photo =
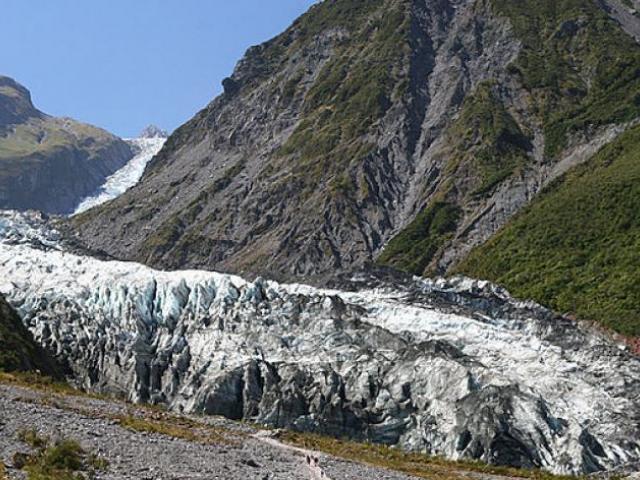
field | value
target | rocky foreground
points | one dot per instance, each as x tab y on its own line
232	452
453	368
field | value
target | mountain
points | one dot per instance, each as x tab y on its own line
151	131
453	367
402	132
49	163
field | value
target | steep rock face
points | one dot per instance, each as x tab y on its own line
455	368
430	122
152	131
18	349
49	163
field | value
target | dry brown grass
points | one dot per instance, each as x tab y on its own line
178	427
140	418
422	466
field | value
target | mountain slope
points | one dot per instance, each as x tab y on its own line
49	163
313	155
18	350
576	246
422	125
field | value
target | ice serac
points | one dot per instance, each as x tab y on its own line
455	368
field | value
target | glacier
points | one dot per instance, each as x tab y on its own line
127	176
453	367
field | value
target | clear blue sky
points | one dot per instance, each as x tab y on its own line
122	64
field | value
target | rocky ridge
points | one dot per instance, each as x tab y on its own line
449	367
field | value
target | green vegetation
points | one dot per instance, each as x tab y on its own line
581	71
415	246
64	459
177	427
576	247
334	14
44	136
40	382
489	143
578	64
487	147
18	350
143	418
422	466
353	91
31	438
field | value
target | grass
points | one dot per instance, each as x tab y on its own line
31	438
177	427
146	417
421	466
41	383
576	248
45	136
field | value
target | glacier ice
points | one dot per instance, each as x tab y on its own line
452	367
126	177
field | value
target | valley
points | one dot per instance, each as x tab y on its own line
402	242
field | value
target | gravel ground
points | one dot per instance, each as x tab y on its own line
248	455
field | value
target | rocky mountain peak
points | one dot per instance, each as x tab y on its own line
50	163
15	102
152	131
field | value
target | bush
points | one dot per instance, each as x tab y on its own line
576	247
63	460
